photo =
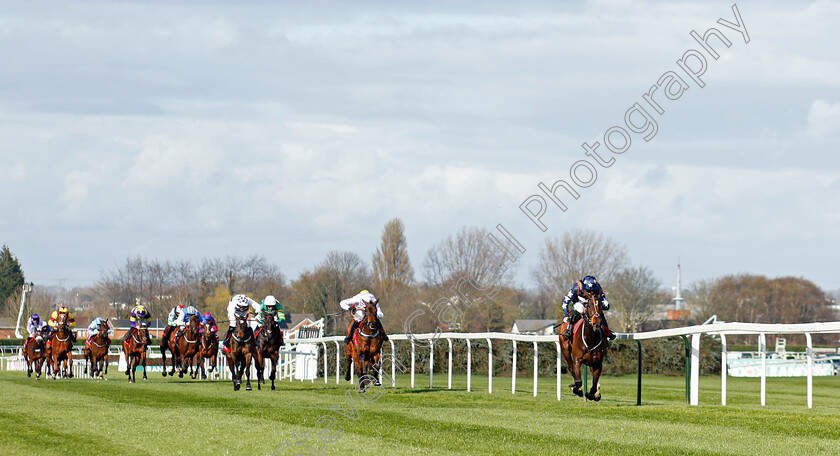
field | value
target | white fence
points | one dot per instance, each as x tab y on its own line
295	358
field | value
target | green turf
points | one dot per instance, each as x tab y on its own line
173	416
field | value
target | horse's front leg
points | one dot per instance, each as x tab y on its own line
163	356
575	370
273	375
258	363
247	369
594	393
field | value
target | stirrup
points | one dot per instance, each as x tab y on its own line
347	339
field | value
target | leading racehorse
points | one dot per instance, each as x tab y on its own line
186	344
209	350
35	353
269	339
134	348
61	349
241	350
96	352
364	349
587	347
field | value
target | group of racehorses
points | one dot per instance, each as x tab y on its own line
193	344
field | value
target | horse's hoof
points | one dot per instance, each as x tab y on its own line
248	388
259	387
596	397
29	374
164	373
203	377
589	397
272	387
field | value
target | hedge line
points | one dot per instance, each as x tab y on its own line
660	356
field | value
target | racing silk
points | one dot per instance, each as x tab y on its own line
357	305
54	320
93	328
33	326
185	316
209	320
139	315
574	297
174	314
233	311
278	317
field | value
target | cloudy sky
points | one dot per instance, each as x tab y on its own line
189	129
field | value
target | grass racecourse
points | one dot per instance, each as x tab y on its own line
173	416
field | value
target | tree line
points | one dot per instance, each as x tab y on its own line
633	290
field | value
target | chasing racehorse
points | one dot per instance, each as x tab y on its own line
96	352
209	350
241	351
186	347
587	347
61	349
364	349
134	348
35	353
269	339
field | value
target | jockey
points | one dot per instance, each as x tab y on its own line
33	325
356	305
174	315
93	329
184	318
270	304
139	315
207	319
577	297
71	322
238	307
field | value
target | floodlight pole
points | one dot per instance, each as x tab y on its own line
27	287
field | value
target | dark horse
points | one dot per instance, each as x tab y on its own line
61	349
186	348
241	350
364	349
35	353
209	350
165	344
134	348
96	352
269	340
588	347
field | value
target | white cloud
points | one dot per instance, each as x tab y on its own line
823	118
163	160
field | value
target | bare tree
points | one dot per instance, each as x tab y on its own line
633	295
391	266
577	254
468	254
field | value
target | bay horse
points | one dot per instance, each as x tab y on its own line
61	349
588	347
209	349
364	349
36	355
187	347
241	352
165	345
269	340
134	348
96	352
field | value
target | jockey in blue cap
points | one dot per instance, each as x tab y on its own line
577	296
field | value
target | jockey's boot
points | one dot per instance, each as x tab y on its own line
148	337
349	336
573	318
225	347
73	336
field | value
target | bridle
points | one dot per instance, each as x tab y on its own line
240	328
192	329
370	323
593	320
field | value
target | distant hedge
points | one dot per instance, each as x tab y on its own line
660	356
